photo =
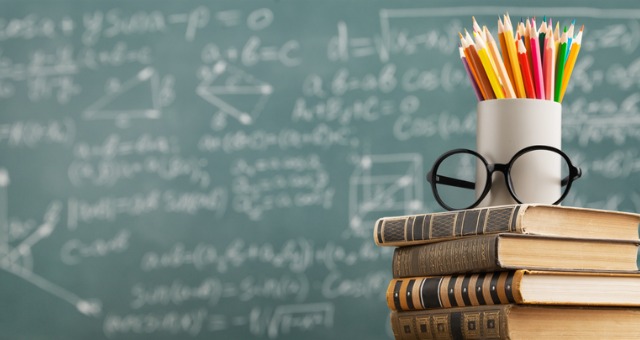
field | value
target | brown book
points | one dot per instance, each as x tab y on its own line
514	251
535	219
524	287
517	322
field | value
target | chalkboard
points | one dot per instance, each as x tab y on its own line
212	170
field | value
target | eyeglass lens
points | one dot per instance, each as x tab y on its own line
535	173
459	172
462	167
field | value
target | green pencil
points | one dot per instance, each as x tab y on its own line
560	61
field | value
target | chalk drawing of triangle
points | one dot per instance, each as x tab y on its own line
137	97
235	92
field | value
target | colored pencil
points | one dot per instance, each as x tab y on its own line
569	38
549	65
531	61
505	55
486	62
524	66
474	72
542	36
538	79
571	61
513	57
562	50
556	35
498	62
476	27
527	41
474	85
483	80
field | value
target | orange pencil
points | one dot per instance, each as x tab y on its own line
505	54
482	74
472	66
524	66
501	70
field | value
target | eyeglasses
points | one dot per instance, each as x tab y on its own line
454	175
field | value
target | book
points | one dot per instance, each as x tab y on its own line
534	219
496	252
514	287
517	322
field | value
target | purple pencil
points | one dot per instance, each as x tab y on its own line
476	89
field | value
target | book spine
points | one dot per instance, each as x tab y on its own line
457	323
425	228
466	255
453	291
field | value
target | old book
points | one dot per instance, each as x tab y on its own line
514	251
517	322
519	287
547	220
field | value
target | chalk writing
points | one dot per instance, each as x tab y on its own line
82	212
214	170
33	133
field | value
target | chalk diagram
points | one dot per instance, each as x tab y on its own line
234	92
384	185
18	260
140	97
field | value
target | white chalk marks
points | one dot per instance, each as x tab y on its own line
139	97
18	259
233	91
384	184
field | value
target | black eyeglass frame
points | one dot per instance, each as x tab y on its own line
505	169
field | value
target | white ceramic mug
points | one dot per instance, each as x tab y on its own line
506	126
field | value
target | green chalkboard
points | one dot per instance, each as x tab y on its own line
212	169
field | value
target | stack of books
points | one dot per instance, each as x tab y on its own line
522	271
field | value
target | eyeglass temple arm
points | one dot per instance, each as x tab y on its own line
578	174
454	182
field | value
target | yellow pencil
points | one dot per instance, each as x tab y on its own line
486	63
499	64
513	57
571	61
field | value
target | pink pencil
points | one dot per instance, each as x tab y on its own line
538	80
549	65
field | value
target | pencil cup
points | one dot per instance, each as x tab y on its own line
506	126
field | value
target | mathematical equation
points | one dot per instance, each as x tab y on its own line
230	161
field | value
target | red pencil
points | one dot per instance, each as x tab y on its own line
526	71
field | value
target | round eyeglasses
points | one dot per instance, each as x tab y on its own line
455	175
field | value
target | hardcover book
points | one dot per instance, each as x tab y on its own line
525	287
514	251
535	219
517	322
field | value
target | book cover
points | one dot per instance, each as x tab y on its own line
517	322
514	287
496	252
535	219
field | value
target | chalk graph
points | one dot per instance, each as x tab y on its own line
384	185
18	259
139	97
234	92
